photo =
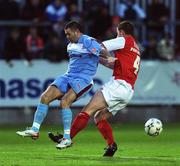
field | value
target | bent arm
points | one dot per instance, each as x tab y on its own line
110	45
106	58
114	44
104	62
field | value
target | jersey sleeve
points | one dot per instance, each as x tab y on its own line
92	46
114	44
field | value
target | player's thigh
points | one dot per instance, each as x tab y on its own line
62	83
96	103
51	93
80	86
68	98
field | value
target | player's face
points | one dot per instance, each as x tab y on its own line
120	33
71	35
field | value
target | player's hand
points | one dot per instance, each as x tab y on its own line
111	60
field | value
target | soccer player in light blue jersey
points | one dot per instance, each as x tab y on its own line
84	52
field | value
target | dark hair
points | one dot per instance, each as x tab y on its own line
73	25
127	27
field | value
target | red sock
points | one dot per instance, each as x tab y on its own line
79	123
106	131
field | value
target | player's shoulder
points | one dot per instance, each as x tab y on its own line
129	38
69	44
87	40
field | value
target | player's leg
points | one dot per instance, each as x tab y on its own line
78	88
103	126
66	115
50	94
117	94
105	129
55	91
65	104
81	120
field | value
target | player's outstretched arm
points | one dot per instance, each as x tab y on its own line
108	62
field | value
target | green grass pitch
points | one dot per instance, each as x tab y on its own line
135	148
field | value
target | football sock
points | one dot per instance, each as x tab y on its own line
79	123
67	119
106	131
39	116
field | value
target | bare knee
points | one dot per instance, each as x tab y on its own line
45	99
65	103
102	115
98	117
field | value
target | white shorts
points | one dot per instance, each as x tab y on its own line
117	94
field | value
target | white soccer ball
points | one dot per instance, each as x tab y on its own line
153	127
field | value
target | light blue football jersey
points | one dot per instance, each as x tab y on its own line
83	58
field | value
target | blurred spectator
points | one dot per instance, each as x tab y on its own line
166	48
177	57
92	5
45	3
3	35
34	44
56	11
157	11
33	11
73	13
90	10
150	48
102	21
14	47
69	2
9	10
157	15
130	10
55	50
112	31
58	28
21	3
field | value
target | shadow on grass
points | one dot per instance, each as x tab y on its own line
110	160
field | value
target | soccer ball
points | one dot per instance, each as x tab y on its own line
153	127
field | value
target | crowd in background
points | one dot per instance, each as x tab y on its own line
48	42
